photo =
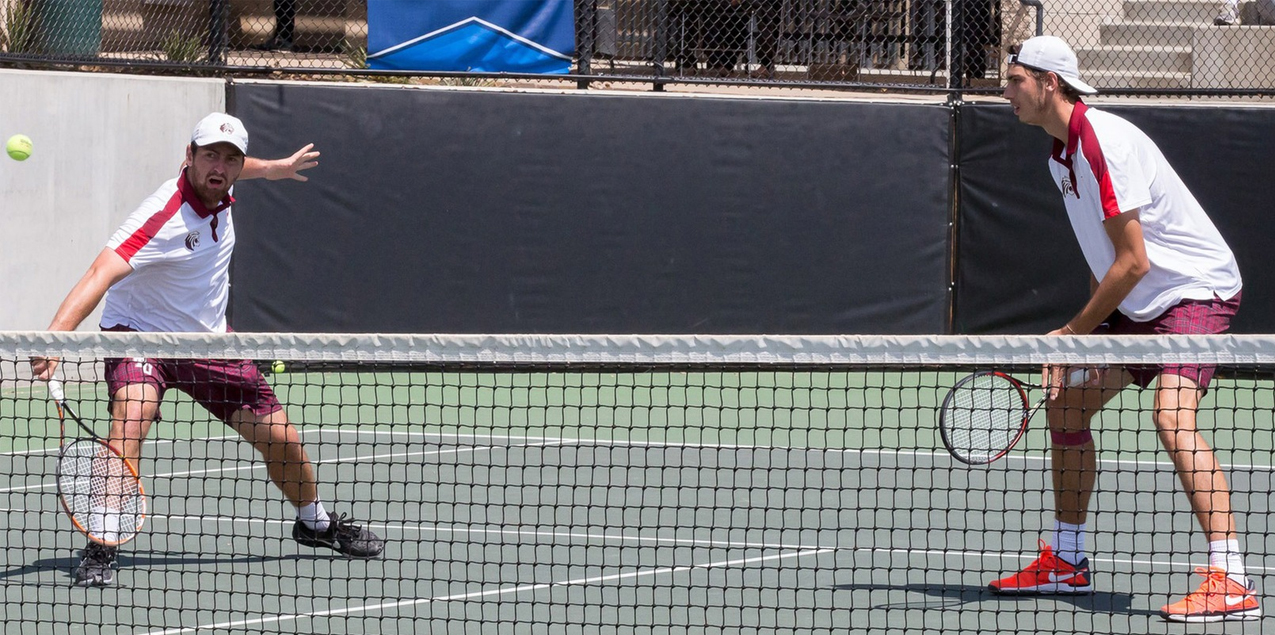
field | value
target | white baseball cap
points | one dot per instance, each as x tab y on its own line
1049	53
221	128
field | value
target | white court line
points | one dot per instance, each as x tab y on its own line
149	443
1171	564
259	465
554	534
1248	467
520	533
530	441
621	538
1245	467
300	430
500	591
527	439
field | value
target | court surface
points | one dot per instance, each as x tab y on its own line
568	518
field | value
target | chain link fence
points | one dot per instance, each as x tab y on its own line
1124	46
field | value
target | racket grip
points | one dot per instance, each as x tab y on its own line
1080	376
55	390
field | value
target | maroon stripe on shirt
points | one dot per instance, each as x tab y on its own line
147	231
1098	163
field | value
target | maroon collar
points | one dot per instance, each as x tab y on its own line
192	199
1073	135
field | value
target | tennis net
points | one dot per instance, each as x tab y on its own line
624	484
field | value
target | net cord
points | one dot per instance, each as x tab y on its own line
653	349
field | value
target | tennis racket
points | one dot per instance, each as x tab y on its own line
100	489
985	414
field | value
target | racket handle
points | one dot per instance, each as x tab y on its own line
1080	376
55	390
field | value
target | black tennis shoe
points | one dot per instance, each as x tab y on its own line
97	567
342	536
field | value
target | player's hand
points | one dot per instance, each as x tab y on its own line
291	167
43	367
1052	380
1053	375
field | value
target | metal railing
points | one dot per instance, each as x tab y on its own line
1124	46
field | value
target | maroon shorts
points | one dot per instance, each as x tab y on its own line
1189	317
224	387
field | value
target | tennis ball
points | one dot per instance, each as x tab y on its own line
19	147
278	367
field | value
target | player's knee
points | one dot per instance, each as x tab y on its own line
132	419
278	437
1169	420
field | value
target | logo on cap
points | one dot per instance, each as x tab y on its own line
227	128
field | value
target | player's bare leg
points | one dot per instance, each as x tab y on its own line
279	444
288	465
1226	593
133	411
1177	400
1062	567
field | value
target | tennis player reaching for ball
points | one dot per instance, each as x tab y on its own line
167	269
1159	266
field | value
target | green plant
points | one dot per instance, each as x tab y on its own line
482	82
182	49
19	31
355	56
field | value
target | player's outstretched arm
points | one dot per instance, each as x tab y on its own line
285	168
107	269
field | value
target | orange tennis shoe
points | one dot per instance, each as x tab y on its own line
1218	598
1048	574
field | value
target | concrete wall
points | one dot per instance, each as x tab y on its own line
102	144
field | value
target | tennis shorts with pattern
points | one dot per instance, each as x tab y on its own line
1189	317
224	387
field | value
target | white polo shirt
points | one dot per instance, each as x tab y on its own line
1108	167
180	253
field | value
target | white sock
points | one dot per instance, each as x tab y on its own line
1069	541
1225	555
104	523
314	516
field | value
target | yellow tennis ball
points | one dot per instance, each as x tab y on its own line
19	147
278	367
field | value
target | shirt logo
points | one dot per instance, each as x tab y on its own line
192	240
1068	188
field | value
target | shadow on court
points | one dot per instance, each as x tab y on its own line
141	561
960	595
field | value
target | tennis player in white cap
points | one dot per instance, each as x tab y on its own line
167	269
1159	266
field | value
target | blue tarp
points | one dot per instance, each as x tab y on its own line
512	36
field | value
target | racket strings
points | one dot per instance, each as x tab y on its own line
101	491
984	417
